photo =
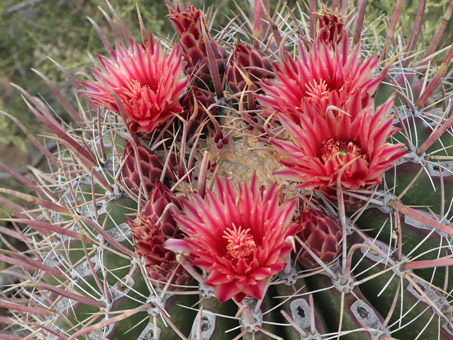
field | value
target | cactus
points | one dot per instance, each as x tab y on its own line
289	178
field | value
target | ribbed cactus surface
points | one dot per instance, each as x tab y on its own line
286	178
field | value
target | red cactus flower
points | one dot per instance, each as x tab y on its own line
321	233
146	80
150	165
189	25
328	76
237	237
152	227
319	149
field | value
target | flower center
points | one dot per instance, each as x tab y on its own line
135	92
316	90
332	147
240	243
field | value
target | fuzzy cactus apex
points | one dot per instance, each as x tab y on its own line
286	175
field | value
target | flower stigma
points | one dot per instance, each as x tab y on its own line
240	243
331	147
316	90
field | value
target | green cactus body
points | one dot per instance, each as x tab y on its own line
173	207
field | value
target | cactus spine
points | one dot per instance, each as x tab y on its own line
278	180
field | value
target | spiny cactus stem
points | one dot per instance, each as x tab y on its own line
298	25
394	266
25	180
373	245
212	64
36	200
47	228
72	112
340	323
168	283
26	309
130	274
142	189
420	171
399	236
392	306
407	101
408	277
257	32
274	26
359	22
346	273
99	179
202	177
93	196
239	336
437	78
42	113
182	179
122	316
194	142
311	11
415	31
103	37
316	258
344	6
311	303
190	269
440	262
421	218
120	23
265	331
69	295
159	139
168	320
260	302
127	253
342	215
440	31
49	155
96	278
386	337
435	135
101	140
294	324
182	155
392	27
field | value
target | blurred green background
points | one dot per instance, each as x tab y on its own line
32	30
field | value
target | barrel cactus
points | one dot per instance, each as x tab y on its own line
289	177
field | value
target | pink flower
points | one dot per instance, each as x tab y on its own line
146	81
327	76
238	237
319	149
